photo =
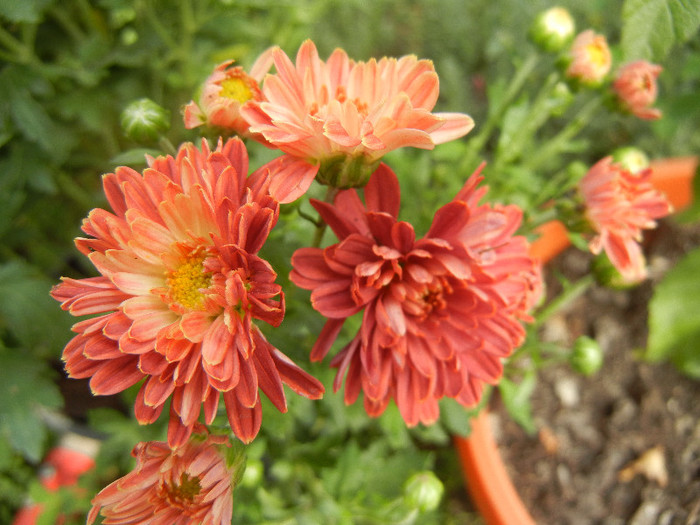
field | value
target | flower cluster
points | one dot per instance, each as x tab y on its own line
588	61
182	288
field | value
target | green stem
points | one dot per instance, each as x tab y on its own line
157	26
20	52
559	142
477	142
321	225
567	296
537	115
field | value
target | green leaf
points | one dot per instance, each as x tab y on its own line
24	11
674	326
516	398
25	390
652	27
28	312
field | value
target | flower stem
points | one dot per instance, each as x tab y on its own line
477	143
559	142
321	225
569	294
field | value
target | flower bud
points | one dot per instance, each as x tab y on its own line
561	99
144	121
423	491
589	59
635	89
587	356
630	158
552	29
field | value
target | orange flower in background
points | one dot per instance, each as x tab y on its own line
223	94
619	205
188	484
340	117
439	313
180	287
636	89
590	58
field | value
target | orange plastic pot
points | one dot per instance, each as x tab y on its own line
486	476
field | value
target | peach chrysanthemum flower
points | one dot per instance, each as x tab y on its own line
192	483
223	94
635	87
619	204
590	58
439	313
340	117
180	287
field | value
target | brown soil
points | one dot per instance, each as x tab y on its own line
622	446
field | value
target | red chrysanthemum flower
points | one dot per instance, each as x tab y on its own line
181	285
619	204
340	117
439	313
636	89
188	484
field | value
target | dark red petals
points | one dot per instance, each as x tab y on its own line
382	192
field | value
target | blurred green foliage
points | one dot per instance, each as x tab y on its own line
68	68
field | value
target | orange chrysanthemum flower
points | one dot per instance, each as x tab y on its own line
224	93
181	285
590	58
619	205
636	90
188	484
340	117
439	313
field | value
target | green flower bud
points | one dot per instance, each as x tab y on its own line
632	159
423	491
144	121
552	29
561	99
587	356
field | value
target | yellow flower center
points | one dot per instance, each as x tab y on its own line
187	280
597	55
236	88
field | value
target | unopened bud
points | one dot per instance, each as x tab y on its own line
423	491
587	357
553	29
144	121
630	158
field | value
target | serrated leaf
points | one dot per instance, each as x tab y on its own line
28	312
674	326
652	27
25	390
